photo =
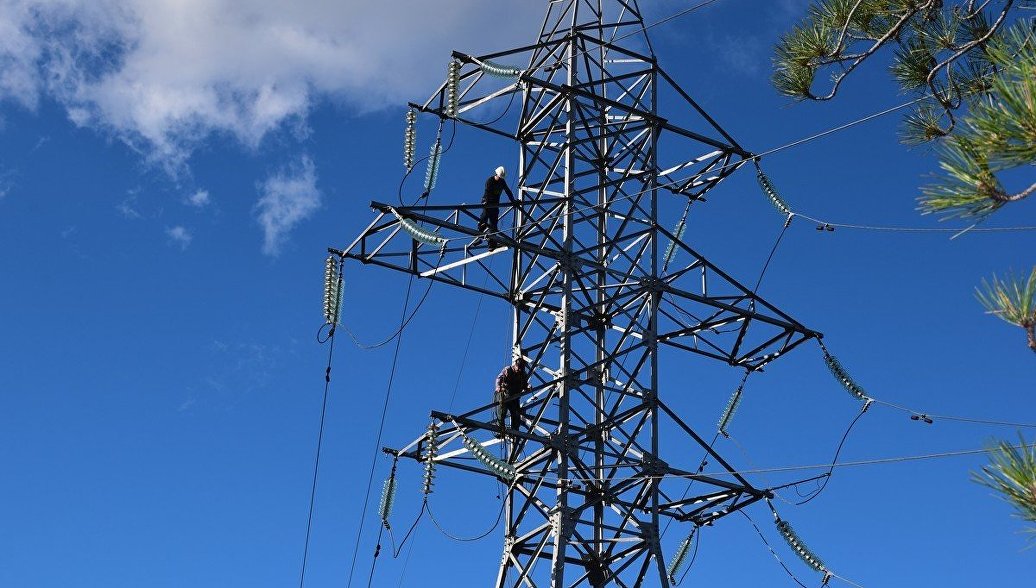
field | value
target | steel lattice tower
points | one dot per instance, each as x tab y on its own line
593	299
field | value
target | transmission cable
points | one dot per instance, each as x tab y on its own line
931	417
754	157
496	523
320	432
771	549
402	326
381	428
834	460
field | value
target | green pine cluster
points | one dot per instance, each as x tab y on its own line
1012	474
974	65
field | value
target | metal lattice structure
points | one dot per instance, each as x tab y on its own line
595	293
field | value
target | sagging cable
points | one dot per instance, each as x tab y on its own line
388	497
796	544
430	451
417	233
332	290
680	557
843	376
771	192
452	92
498	466
409	139
431	174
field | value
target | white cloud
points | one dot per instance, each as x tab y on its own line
127	207
199	199
163	75
286	199
179	235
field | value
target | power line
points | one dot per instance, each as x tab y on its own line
667	19
320	442
844	464
754	157
936	417
381	429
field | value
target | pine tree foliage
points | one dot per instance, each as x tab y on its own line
975	60
1012	474
1014	300
975	63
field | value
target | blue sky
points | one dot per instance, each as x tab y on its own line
171	174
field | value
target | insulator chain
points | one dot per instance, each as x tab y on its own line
417	233
410	139
771	192
678	235
800	548
332	290
498	70
732	406
452	91
430	451
431	175
388	496
498	466
680	557
843	376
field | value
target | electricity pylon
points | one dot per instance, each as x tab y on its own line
597	283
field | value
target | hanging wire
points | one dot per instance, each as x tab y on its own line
406	321
496	523
377	443
942	417
741	162
772	551
323	412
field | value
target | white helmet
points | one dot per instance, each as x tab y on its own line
500	171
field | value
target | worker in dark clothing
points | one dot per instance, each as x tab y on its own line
510	385
491	208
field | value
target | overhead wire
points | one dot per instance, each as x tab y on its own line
943	417
381	428
834	460
772	551
477	537
753	157
320	433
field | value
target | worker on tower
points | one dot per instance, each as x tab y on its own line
495	185
510	385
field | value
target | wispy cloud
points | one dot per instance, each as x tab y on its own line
286	199
164	75
180	236
199	199
128	207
